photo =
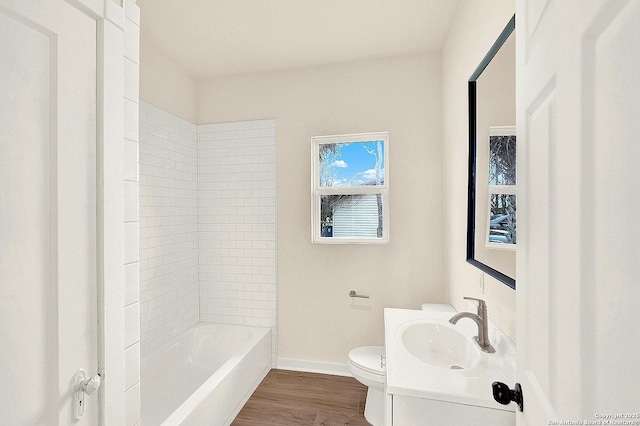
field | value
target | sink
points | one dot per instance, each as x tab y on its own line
441	346
437	369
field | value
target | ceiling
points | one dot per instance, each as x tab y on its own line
208	38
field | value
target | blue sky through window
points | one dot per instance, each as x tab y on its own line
353	164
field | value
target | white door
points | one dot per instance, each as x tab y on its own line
48	305
578	294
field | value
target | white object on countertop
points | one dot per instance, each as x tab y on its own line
438	307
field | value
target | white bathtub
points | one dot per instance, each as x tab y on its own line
203	376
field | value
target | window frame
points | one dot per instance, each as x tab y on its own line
317	191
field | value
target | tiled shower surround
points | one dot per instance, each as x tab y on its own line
237	223
168	227
207	225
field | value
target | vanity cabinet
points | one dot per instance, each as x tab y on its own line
410	411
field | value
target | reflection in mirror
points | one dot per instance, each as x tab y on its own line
501	232
491	221
502	156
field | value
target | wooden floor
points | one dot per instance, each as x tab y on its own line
295	398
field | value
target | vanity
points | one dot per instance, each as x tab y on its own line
437	373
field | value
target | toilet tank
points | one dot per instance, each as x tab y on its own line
438	307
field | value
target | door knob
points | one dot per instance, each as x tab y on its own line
84	385
504	395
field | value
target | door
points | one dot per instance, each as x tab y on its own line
48	272
578	103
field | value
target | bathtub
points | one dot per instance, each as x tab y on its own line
203	376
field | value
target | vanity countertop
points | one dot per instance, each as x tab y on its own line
409	376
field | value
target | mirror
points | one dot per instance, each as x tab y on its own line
491	202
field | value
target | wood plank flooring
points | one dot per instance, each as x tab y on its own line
295	398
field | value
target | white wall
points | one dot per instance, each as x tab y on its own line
475	28
168	226
164	84
131	221
317	321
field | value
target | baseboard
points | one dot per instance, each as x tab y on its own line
313	367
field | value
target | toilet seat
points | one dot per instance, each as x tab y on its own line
368	358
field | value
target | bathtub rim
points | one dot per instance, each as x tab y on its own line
186	407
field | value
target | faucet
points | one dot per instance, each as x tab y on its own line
481	320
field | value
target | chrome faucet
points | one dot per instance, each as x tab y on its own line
481	320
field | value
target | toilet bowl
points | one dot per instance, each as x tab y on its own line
366	364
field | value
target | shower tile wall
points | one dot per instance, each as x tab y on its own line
168	227
237	223
207	225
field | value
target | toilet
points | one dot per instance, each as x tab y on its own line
367	364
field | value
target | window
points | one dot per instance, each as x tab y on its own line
501	232
350	187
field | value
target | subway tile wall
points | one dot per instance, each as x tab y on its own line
168	227
237	224
207	225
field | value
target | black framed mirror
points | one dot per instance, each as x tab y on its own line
491	201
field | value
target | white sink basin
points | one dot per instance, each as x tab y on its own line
440	346
431	359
